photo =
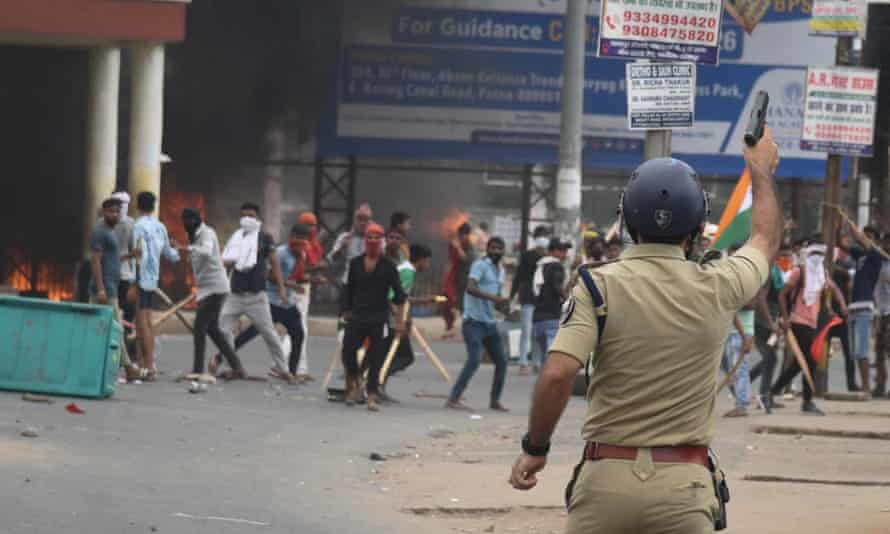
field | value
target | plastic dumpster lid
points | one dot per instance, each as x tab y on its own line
23	302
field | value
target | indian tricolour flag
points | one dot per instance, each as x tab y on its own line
735	223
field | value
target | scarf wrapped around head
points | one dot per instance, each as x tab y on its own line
309	218
375	249
814	266
191	220
125	202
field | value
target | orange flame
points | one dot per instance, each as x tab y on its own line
56	280
178	278
449	224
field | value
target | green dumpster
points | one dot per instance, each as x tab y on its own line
58	347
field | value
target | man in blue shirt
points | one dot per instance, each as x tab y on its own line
152	242
483	294
862	308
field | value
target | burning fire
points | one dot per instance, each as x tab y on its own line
56	280
449	224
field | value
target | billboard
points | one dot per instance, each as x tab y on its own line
480	80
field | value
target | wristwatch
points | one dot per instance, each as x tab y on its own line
534	450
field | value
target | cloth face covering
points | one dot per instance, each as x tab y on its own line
373	249
815	273
243	246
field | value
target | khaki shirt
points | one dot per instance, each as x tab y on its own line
654	373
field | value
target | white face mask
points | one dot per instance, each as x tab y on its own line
250	224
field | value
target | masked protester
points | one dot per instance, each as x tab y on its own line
292	261
251	253
483	294
213	287
315	262
365	307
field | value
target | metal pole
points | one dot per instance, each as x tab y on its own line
658	144
526	206
568	179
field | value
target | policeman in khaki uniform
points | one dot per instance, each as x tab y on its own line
652	327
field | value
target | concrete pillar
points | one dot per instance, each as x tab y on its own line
146	118
273	190
102	116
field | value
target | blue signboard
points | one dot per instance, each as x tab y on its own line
486	86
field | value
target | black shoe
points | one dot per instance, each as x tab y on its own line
878	393
854	388
810	408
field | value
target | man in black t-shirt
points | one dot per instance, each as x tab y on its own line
249	252
549	287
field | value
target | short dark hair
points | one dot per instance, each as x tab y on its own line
145	201
398	218
464	229
871	230
111	203
299	230
541	231
483	226
419	252
250	206
496	240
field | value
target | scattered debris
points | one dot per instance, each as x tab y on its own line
29	432
472	461
475	417
822	432
441	433
376	457
489	529
197	387
794	480
30	397
75	409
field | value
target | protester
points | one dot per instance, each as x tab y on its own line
250	252
486	279
842	270
152	242
303	294
213	287
804	290
351	244
106	259
400	223
768	328
882	338
123	231
460	256
365	307
701	247
522	287
292	261
613	249
594	248
481	237
549	288
862	308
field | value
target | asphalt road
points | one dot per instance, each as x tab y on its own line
241	458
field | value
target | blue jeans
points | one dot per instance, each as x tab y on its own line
545	331
742	381
861	323
477	335
526	313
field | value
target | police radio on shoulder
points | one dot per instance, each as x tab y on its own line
534	450
757	120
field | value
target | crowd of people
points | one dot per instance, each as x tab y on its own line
374	269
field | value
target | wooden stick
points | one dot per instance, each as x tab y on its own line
172	311
868	242
801	360
167	300
394	347
430	354
732	372
330	373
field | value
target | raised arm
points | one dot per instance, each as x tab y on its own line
766	220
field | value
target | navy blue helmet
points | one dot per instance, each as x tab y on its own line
664	199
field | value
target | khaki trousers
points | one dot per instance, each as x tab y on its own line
635	497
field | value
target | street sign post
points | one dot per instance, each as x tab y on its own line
660	95
839	110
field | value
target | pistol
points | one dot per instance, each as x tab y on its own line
757	120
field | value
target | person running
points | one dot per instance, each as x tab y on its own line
480	329
292	260
365	308
803	290
549	288
152	242
250	252
213	287
522	287
461	255
105	260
